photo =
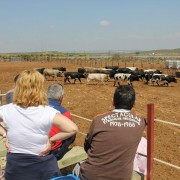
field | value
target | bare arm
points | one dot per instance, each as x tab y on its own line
2	131
1	174
68	127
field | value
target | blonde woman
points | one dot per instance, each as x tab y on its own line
28	121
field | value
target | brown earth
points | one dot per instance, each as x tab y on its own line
89	100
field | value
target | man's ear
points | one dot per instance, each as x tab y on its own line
134	103
60	99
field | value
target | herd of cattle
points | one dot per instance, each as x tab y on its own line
117	74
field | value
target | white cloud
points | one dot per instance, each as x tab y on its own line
104	23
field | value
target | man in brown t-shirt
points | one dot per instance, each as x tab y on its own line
113	139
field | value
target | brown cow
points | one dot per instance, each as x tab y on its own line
53	73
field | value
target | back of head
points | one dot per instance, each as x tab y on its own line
124	97
55	91
29	89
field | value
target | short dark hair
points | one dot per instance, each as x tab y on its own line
124	97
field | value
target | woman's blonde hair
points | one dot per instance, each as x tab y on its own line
29	89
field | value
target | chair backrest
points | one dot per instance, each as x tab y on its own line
68	177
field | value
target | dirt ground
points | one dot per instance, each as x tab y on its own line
89	100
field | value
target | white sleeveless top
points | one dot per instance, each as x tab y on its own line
27	128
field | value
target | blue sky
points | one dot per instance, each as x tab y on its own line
88	25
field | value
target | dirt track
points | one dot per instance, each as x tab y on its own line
89	100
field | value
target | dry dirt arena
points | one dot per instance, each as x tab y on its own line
89	100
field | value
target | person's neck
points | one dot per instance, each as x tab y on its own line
55	100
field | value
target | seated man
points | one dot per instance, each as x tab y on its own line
55	96
113	139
